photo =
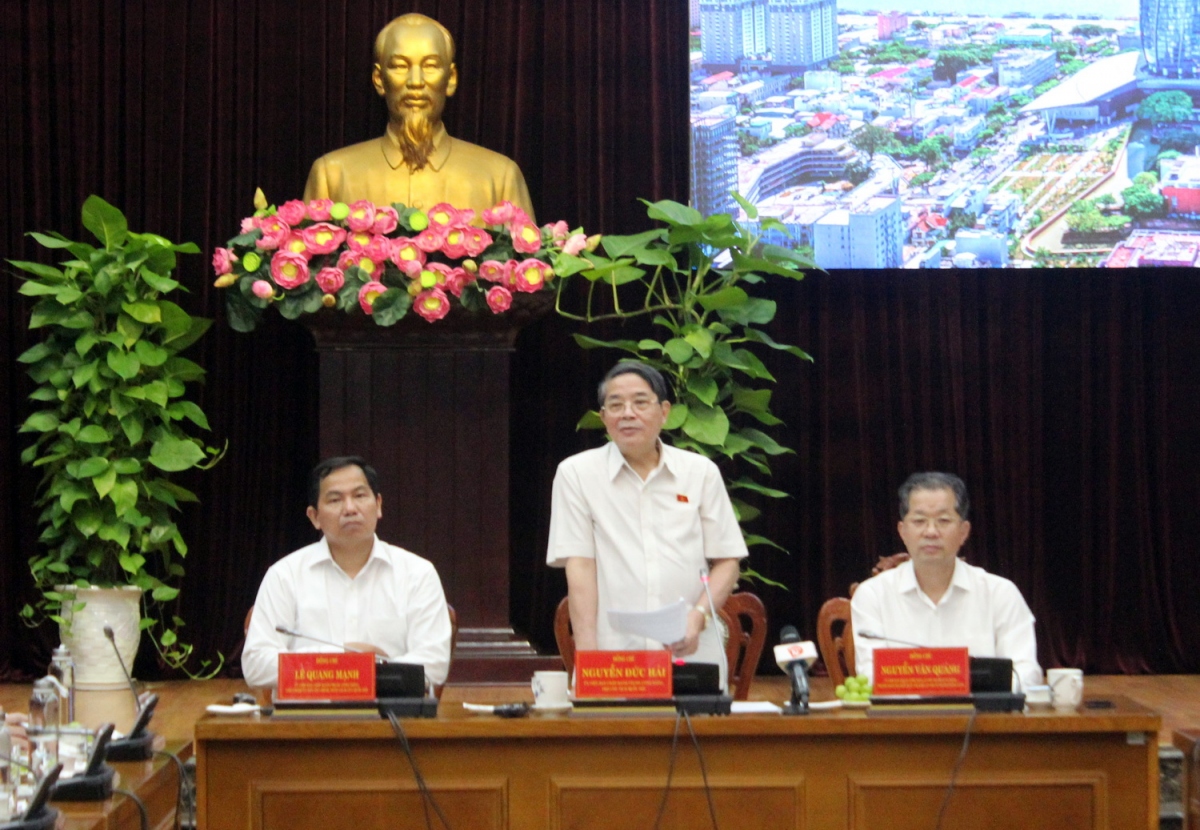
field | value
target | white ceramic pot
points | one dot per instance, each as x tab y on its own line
96	663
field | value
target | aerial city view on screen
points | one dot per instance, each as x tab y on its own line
917	134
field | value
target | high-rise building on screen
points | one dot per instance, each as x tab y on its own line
1171	37
714	161
803	33
782	34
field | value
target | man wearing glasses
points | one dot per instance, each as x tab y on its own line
637	521
936	599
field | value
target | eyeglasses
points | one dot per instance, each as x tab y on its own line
640	406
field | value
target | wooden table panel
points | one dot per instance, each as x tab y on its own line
1187	741
829	770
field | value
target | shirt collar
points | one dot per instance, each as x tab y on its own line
437	159
908	577
616	461
324	556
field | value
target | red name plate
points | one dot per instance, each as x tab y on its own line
921	671
326	676
637	675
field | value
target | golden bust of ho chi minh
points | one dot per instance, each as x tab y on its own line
417	163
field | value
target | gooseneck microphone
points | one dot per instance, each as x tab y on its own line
871	635
282	629
794	657
112	638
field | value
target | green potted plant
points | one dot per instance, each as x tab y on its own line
111	424
696	277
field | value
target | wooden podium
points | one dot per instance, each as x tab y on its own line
427	404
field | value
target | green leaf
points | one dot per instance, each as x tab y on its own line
391	307
745	512
619	275
592	343
38	289
175	454
133	429
679	350
130	330
704	388
729	297
163	284
47	272
590	420
144	311
677	416
752	400
754	310
766	340
189	410
156	391
93	466
752	365
707	424
88	519
164	593
83	374
44	421
618	246
118	533
751	210
70	495
35	353
748	484
93	434
757	265
105	222
701	339
754	539
168	638
765	442
125	364
131	562
104	482
124	496
127	466
150	354
650	345
673	213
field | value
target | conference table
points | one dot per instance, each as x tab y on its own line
1091	768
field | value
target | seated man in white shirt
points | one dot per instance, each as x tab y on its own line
637	521
349	587
936	599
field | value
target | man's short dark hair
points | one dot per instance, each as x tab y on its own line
330	465
936	481
648	373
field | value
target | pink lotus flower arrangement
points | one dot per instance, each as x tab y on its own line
384	260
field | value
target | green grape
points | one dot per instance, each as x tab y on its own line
840	691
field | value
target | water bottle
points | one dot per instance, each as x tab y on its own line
8	781
62	669
43	722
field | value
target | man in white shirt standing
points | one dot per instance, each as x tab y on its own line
936	599
637	521
349	587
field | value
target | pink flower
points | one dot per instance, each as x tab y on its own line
443	216
368	294
531	275
359	240
457	280
318	209
430	239
526	237
330	280
499	299
575	244
432	304
263	289
289	270
296	244
379	248
223	260
510	273
501	214
386	220
275	232
249	224
407	256
357	259
440	270
323	238
557	232
362	216
477	241
454	244
291	212
493	271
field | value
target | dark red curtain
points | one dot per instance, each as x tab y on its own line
1065	399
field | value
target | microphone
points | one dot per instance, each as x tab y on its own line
138	745
871	635
137	703
285	630
794	657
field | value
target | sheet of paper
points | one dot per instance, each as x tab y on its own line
666	625
754	707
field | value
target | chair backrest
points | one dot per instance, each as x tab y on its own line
746	618
836	638
564	637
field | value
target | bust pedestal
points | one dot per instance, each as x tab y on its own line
427	404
